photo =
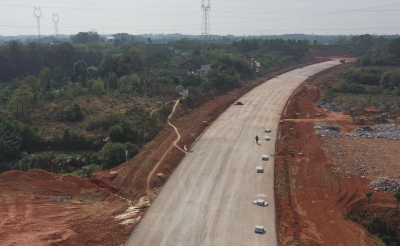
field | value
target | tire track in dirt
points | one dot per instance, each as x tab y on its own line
150	193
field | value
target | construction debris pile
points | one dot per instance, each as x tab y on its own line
329	133
330	107
389	131
384	185
360	157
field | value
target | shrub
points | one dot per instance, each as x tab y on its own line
16	137
98	88
132	149
87	171
70	113
113	154
111	81
116	134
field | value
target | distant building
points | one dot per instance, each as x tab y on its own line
197	66
93	72
180	73
110	39
158	46
253	63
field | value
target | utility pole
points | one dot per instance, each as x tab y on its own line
38	14
56	19
205	27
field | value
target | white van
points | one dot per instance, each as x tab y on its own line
260	202
259	229
265	158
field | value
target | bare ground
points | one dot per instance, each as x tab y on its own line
315	189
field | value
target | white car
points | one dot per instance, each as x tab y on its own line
260	202
268	130
259	229
265	158
267	138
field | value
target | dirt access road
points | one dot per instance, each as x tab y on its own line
208	199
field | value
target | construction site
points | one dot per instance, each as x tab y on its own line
314	167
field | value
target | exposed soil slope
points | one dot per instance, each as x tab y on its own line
40	208
313	198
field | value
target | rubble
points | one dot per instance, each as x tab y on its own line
384	185
329	133
388	131
331	107
358	108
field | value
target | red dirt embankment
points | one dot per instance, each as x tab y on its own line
313	200
40	208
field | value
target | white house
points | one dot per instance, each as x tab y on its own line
197	66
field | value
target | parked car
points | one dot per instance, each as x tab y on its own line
260	202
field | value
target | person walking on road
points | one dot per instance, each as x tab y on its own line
257	139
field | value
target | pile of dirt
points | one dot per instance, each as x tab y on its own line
41	208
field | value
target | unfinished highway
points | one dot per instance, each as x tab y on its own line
208	200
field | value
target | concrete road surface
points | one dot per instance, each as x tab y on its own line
209	198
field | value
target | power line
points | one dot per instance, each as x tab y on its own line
56	19
205	26
38	14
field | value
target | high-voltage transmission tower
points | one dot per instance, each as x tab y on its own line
38	14
205	27
56	19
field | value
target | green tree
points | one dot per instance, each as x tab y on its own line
111	81
80	38
116	134
123	41
45	80
70	113
98	88
10	142
397	197
368	195
129	84
21	98
80	74
113	154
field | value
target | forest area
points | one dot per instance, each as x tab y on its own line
58	116
372	81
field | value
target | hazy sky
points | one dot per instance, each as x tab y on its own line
246	17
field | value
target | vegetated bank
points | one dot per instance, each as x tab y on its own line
78	107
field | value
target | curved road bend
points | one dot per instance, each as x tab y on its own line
208	199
